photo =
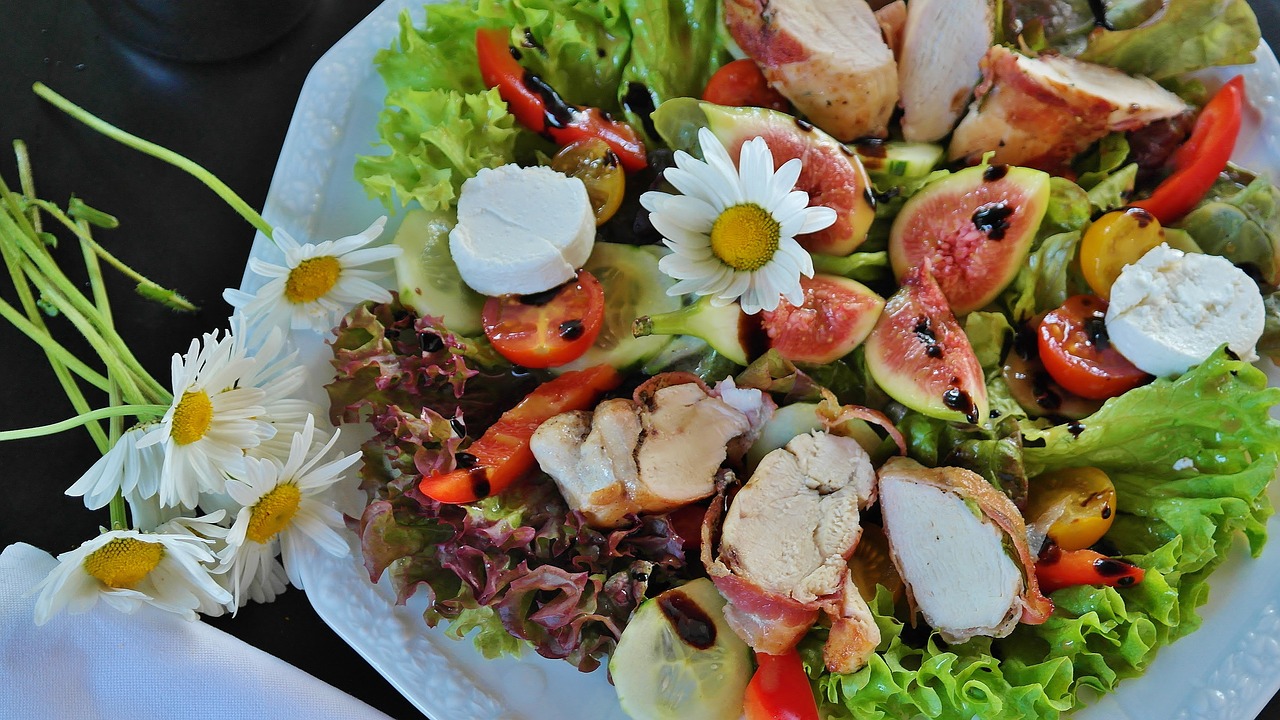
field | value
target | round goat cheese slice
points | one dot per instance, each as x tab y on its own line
1171	309
521	230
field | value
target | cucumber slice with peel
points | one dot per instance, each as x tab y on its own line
678	658
889	162
426	276
720	326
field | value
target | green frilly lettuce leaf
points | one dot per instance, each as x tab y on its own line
1183	36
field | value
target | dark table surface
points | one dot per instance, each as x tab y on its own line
231	117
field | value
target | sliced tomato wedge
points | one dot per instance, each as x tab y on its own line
502	455
537	105
1197	163
549	328
1077	354
779	690
741	84
1059	568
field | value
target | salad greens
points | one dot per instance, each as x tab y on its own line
522	569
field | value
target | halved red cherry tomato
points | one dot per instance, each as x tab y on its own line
1197	163
779	690
540	108
549	328
1077	354
1057	569
741	84
502	455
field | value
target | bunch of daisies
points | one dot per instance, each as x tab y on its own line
215	482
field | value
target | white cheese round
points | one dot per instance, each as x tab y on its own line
521	230
1171	309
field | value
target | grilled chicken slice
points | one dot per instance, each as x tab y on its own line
892	19
947	529
827	57
785	545
631	457
942	43
1041	112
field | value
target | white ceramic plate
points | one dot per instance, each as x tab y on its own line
1225	671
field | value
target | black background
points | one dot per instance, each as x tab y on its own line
230	117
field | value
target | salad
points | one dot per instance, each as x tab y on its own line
1179	463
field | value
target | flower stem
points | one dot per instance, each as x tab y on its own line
119	521
147	288
26	180
160	153
140	411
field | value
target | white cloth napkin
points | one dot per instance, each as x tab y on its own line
148	665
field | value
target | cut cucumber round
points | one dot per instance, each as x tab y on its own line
678	658
633	286
889	162
797	419
426	276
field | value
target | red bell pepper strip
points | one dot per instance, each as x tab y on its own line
1058	568
779	690
1197	164
539	107
502	454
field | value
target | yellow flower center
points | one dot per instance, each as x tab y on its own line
745	237
123	562
312	279
272	512
192	417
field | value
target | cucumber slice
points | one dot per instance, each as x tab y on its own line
890	162
797	419
720	326
678	658
428	280
633	286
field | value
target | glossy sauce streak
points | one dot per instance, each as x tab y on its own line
993	219
691	623
1075	427
540	298
1110	567
752	335
804	125
1096	328
555	110
872	148
431	342
464	460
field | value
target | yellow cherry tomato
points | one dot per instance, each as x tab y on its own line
1079	503
591	161
1116	239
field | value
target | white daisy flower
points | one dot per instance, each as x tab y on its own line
213	419
733	230
127	568
279	506
317	284
281	377
125	468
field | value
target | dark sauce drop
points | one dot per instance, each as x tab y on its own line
1075	427
1106	512
804	124
479	481
1096	329
1140	216
459	428
464	460
1109	567
872	148
639	100
430	342
959	400
995	172
571	330
531	42
691	622
993	219
870	196
1231	353
1044	393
